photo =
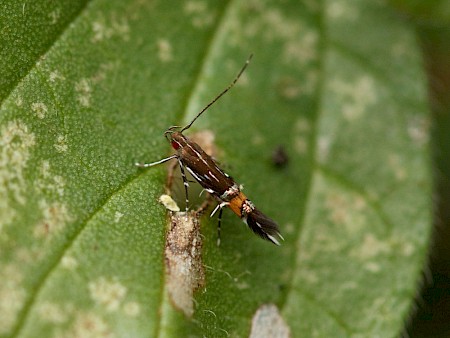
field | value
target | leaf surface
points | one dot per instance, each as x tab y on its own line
339	86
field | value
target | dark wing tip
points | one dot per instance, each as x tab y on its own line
263	226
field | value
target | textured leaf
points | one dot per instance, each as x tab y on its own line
338	85
28	31
430	319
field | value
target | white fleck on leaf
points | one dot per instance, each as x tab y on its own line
267	322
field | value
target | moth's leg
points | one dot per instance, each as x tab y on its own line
146	165
219	222
220	208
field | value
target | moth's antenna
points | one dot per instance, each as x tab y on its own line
221	94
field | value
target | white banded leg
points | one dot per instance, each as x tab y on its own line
219	223
146	165
220	208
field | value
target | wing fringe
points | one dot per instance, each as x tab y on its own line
264	226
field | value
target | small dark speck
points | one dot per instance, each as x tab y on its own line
279	157
282	287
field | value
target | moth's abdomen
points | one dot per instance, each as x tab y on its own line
259	223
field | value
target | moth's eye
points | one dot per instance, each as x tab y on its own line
175	145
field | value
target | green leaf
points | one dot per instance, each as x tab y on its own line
28	30
435	12
339	86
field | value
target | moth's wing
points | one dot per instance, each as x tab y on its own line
205	170
263	226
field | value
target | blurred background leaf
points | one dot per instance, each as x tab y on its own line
88	88
432	22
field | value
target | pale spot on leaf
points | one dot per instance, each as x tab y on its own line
347	211
55	75
69	263
54	313
267	322
418	130
289	88
281	26
299	42
19	101
350	285
257	139
107	28
395	162
355	97
118	216
15	144
289	228
371	247
87	325
303	50
407	249
372	267
12	297
165	50
240	285
342	10
132	309
39	109
61	144
25	255
302	127
84	91
83	87
311	277
107	293
49	182
54	218
54	16
199	13
323	148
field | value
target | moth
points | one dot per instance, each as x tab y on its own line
214	180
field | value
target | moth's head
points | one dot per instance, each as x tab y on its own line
177	139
